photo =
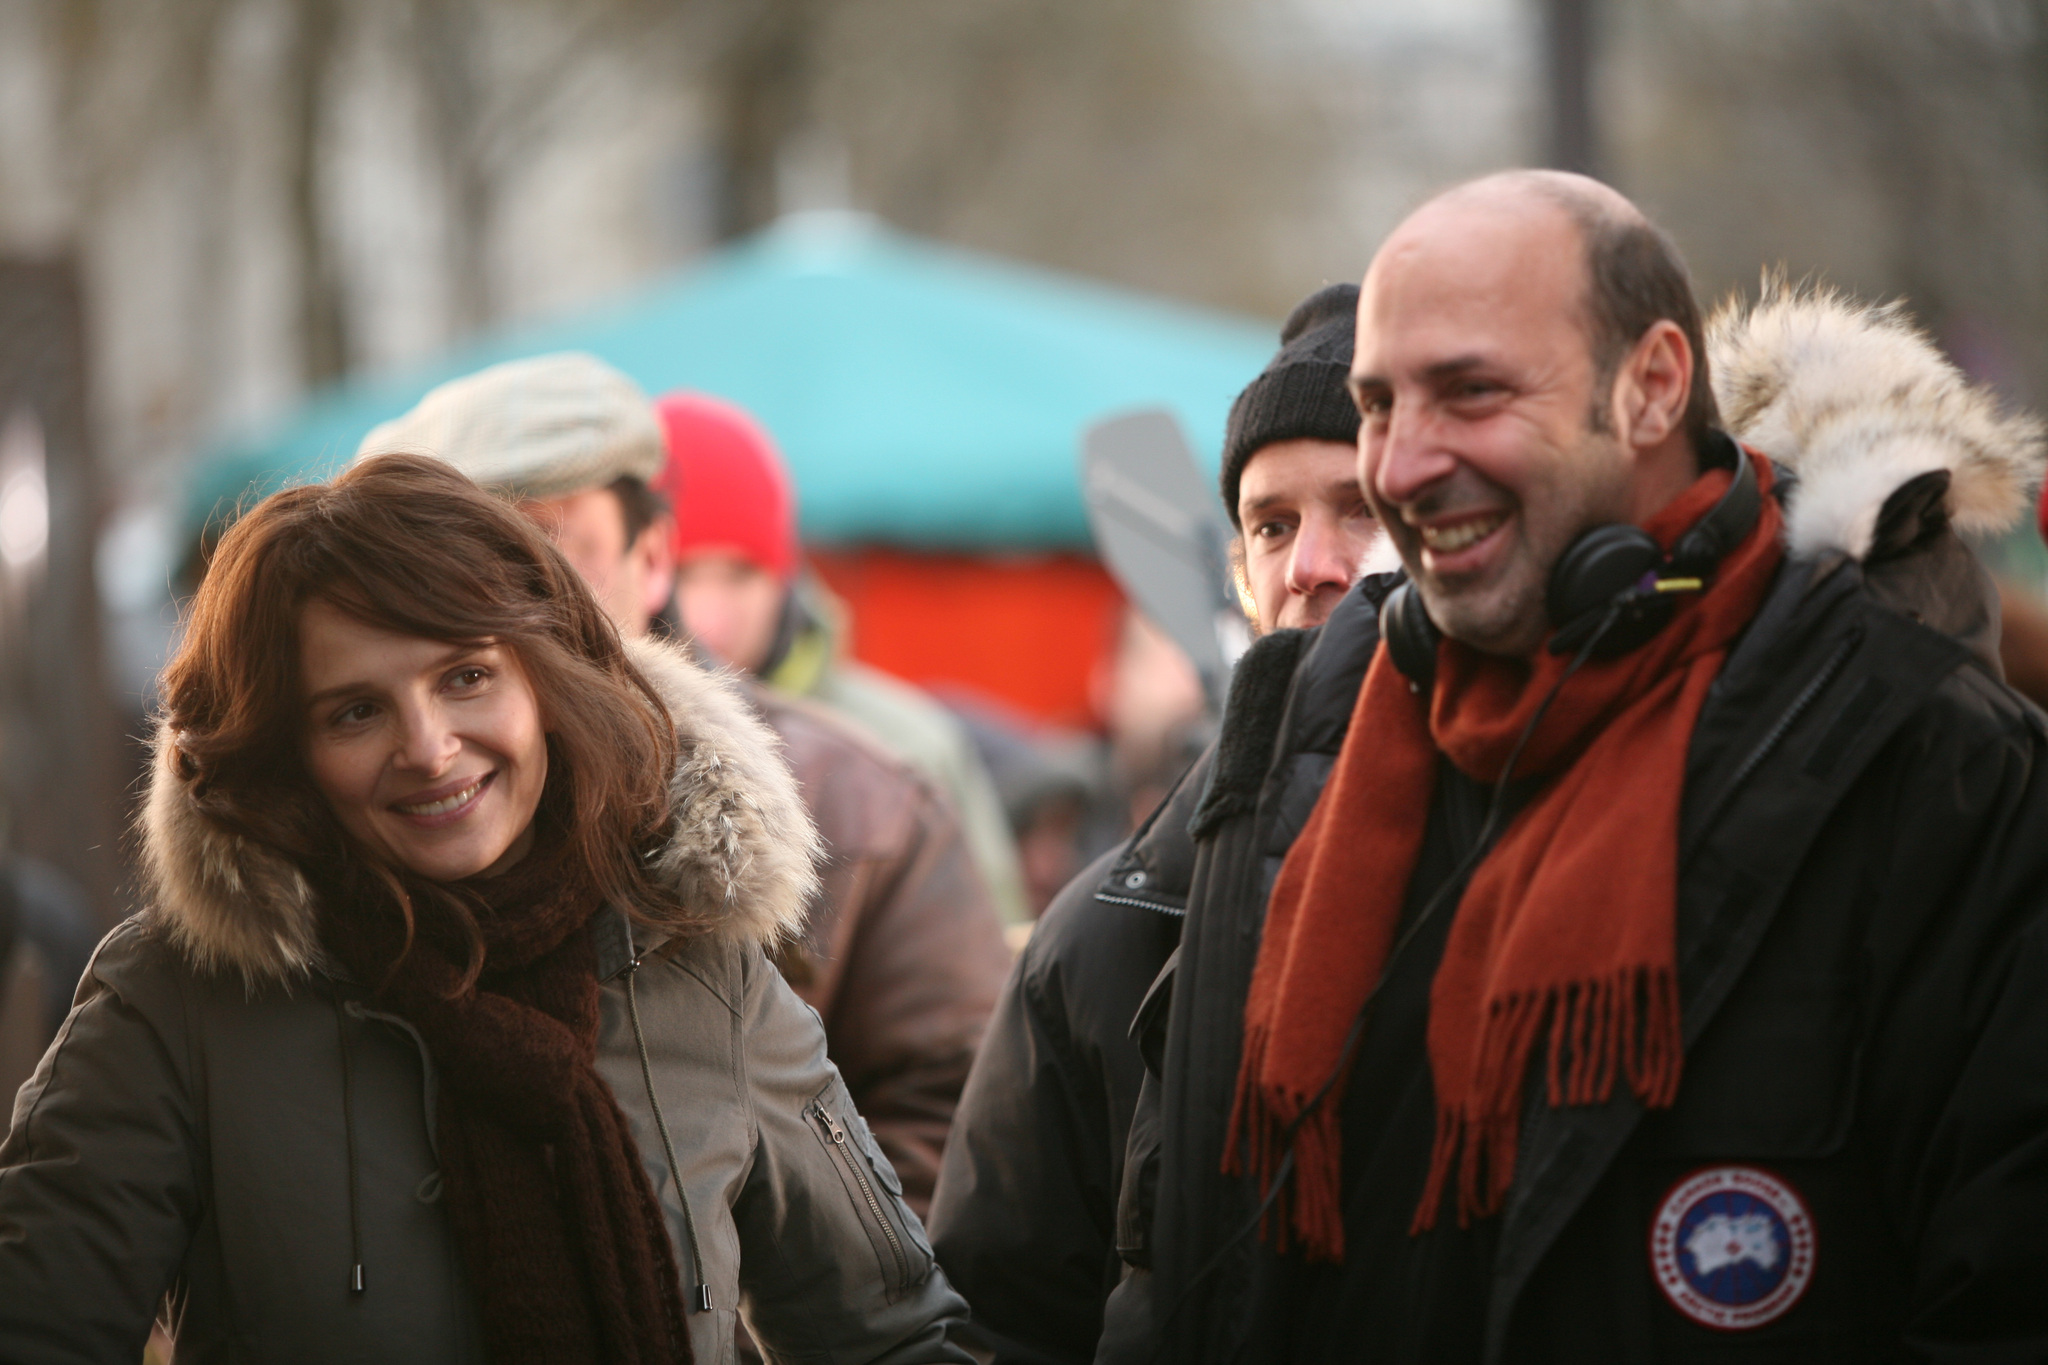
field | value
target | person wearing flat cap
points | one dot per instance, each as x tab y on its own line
575	443
903	953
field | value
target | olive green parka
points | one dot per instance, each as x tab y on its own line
228	1120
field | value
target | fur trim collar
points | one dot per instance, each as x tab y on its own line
1857	401
742	841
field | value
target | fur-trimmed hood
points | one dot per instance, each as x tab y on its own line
742	844
1857	402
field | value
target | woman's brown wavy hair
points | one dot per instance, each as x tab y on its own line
407	544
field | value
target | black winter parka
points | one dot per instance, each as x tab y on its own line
1863	959
1024	1216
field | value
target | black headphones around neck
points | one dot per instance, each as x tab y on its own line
1614	581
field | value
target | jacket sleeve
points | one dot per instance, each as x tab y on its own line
923	968
1023	1215
833	1265
1955	1074
98	1189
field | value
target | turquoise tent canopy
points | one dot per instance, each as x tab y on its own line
924	396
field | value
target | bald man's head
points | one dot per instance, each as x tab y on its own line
1634	275
1528	365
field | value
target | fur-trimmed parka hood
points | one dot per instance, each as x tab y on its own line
742	846
1857	403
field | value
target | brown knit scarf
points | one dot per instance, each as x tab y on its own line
557	1223
1566	932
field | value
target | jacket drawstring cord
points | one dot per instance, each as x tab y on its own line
700	1292
348	1128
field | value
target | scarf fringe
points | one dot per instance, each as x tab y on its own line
1626	1024
1256	1143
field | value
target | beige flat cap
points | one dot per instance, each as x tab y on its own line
537	428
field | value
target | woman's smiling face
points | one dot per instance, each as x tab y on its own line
431	754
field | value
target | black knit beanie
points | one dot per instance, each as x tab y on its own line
1301	395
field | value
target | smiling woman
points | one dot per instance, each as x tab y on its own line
323	687
449	1032
431	754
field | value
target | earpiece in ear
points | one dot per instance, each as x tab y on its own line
1411	636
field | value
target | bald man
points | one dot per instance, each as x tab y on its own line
1630	946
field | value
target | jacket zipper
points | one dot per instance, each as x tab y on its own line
1797	709
835	1134
1157	907
1783	725
700	1292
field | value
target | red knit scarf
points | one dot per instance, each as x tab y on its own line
1566	932
558	1226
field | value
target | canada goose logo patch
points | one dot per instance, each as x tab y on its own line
1732	1247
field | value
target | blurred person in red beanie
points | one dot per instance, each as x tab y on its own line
734	536
741	595
902	954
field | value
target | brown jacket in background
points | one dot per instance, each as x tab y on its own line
903	956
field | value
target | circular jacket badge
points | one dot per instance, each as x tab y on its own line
1732	1247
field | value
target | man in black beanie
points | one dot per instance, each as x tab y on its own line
1290	471
1025	1216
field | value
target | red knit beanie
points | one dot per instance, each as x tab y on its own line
727	483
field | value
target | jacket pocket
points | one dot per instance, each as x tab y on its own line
900	1255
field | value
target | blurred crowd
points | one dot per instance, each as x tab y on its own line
695	538
1193	1013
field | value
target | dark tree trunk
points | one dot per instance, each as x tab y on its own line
60	758
448	35
759	92
323	330
1569	28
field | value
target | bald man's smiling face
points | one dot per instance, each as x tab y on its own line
1476	380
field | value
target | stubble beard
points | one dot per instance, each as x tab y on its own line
1503	617
1509	615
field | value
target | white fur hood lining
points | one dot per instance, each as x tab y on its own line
742	846
1857	402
